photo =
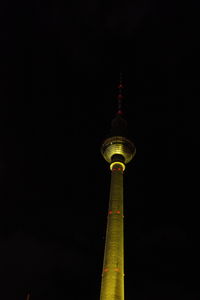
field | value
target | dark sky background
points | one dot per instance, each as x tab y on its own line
59	68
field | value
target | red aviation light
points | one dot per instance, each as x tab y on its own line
113	166
118	212
120	112
110	212
120	96
106	270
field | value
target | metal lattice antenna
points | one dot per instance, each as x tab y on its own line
120	95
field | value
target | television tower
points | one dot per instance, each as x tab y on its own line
117	150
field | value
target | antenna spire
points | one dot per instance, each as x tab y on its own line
120	95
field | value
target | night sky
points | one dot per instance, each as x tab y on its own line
59	69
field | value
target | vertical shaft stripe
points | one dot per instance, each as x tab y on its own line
112	285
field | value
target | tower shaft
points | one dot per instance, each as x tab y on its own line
112	284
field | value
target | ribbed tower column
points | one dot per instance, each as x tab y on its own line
112	286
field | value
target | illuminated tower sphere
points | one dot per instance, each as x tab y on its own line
117	150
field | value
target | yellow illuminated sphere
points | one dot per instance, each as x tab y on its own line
118	145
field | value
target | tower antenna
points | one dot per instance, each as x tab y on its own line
120	95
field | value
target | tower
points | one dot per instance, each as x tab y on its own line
28	297
117	150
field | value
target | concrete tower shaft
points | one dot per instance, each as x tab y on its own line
112	285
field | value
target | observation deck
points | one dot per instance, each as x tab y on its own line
118	146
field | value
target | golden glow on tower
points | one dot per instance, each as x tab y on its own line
112	285
118	145
117	151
